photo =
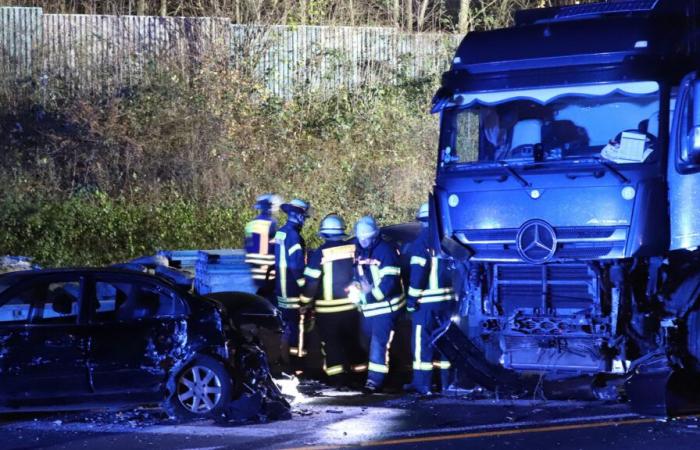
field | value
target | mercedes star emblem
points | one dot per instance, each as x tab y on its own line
536	242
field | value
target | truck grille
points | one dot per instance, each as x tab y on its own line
564	288
573	243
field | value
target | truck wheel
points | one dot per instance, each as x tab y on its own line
203	389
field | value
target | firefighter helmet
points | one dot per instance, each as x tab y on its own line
332	226
297	206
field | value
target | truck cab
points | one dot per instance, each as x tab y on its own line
566	187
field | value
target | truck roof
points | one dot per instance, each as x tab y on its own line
624	40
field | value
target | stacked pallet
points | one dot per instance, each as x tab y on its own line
222	271
181	259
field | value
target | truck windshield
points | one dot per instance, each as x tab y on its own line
620	126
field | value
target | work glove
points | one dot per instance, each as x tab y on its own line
355	294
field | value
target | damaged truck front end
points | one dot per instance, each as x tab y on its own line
566	194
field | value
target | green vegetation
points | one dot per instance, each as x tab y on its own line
176	162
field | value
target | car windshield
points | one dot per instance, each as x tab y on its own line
619	126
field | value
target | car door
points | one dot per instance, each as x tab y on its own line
138	332
43	353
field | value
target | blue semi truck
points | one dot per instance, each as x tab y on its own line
567	191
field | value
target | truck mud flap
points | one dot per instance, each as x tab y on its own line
664	392
469	361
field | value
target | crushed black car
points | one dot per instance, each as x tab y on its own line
88	337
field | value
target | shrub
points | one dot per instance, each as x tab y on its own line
176	162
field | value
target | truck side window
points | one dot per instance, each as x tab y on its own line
460	137
684	127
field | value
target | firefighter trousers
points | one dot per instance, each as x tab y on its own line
291	338
426	320
340	333
380	330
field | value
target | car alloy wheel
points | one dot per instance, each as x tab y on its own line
199	389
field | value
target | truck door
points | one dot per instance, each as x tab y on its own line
684	167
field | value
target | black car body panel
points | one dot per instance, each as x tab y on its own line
74	336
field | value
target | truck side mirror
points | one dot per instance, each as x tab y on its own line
694	124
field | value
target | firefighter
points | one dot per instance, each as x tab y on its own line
431	301
258	243
290	259
379	293
328	274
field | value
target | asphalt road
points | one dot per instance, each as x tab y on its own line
331	419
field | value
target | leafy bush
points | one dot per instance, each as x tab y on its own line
176	162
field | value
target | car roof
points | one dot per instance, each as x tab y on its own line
13	277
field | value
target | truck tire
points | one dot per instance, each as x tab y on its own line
203	389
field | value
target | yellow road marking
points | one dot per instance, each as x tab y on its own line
481	434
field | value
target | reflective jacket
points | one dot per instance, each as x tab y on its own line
258	246
378	266
430	279
329	272
290	258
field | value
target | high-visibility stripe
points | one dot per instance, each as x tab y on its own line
260	262
334	370
381	368
413	292
378	294
376	276
294	248
386	303
417	260
338	253
388	271
288	303
283	273
335	309
386	310
359	368
436	299
417	344
433	283
328	281
312	273
305	300
267	257
388	347
295	351
428	367
334	302
437	291
442	365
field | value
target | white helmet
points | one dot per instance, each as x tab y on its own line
268	202
366	230
297	206
332	226
423	212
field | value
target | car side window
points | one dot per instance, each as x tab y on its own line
16	309
127	301
53	302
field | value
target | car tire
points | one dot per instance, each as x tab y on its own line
203	389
